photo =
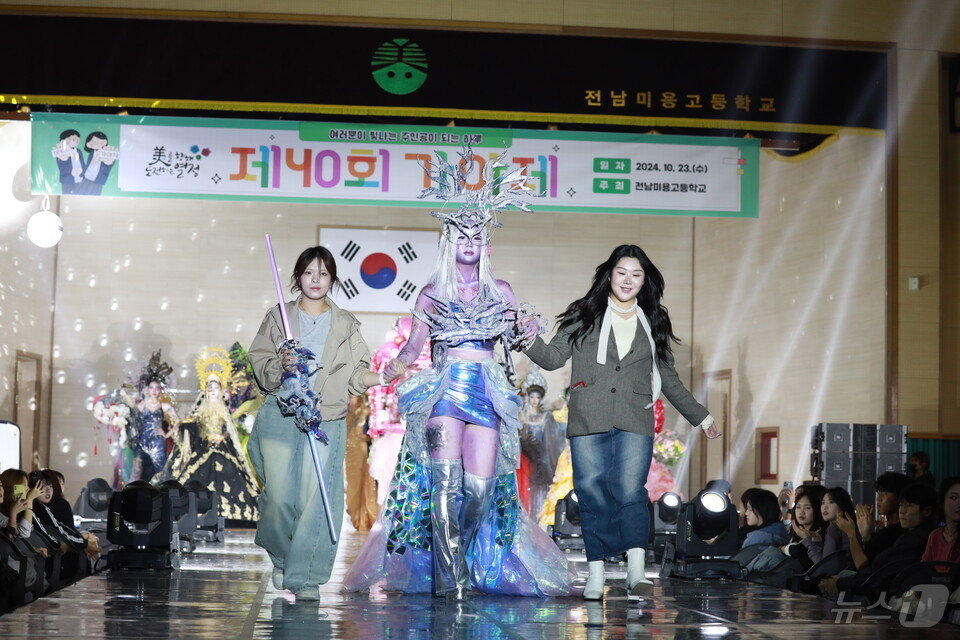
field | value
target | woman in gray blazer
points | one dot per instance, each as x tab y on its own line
619	337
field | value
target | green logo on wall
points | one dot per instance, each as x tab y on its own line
399	66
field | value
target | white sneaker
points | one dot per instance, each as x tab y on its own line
278	578
594	588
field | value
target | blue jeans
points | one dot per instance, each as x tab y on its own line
293	525
609	473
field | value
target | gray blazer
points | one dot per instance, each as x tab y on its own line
614	395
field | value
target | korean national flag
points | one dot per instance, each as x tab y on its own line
380	270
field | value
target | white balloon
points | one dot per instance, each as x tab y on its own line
45	228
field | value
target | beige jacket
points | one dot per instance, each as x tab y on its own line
345	358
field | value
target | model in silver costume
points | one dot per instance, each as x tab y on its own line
452	520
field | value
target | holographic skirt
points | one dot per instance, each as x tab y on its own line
465	398
510	555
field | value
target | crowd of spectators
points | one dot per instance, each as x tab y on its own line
816	540
40	548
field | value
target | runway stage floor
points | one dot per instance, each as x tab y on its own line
224	591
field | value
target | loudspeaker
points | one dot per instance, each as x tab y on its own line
896	462
830	436
882	438
835	467
892	438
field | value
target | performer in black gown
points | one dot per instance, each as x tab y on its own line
209	450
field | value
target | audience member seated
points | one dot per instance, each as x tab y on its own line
874	539
762	511
943	544
744	527
73	543
64	513
835	501
59	505
16	514
917	507
804	520
16	488
808	528
38	537
879	536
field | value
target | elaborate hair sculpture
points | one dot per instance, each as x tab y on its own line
155	371
214	364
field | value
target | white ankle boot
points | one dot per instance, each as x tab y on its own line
637	583
594	588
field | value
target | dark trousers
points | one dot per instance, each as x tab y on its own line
609	473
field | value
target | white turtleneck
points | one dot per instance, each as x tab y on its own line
623	331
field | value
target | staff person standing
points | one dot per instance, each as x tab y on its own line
615	383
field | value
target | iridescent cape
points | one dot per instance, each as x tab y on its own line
511	555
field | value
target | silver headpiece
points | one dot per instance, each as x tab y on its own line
535	378
480	205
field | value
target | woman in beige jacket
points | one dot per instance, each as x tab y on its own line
292	526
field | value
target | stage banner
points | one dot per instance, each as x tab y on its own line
361	164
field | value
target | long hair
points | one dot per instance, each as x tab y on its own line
844	503
444	277
953	553
587	312
814	496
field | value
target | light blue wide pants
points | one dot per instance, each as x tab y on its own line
293	525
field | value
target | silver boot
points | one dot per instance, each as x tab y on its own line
477	498
450	575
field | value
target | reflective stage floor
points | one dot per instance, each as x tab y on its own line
224	591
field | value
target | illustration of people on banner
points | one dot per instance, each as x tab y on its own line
84	171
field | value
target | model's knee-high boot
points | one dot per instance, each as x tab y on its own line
477	498
450	575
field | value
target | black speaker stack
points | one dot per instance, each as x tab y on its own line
853	455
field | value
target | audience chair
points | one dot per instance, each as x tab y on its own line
830	566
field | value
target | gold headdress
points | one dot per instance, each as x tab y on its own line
214	364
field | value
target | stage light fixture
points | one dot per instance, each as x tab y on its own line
210	526
566	530
663	521
140	523
183	510
713	501
668	508
91	508
706	537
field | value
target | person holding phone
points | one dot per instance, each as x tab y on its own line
18	497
